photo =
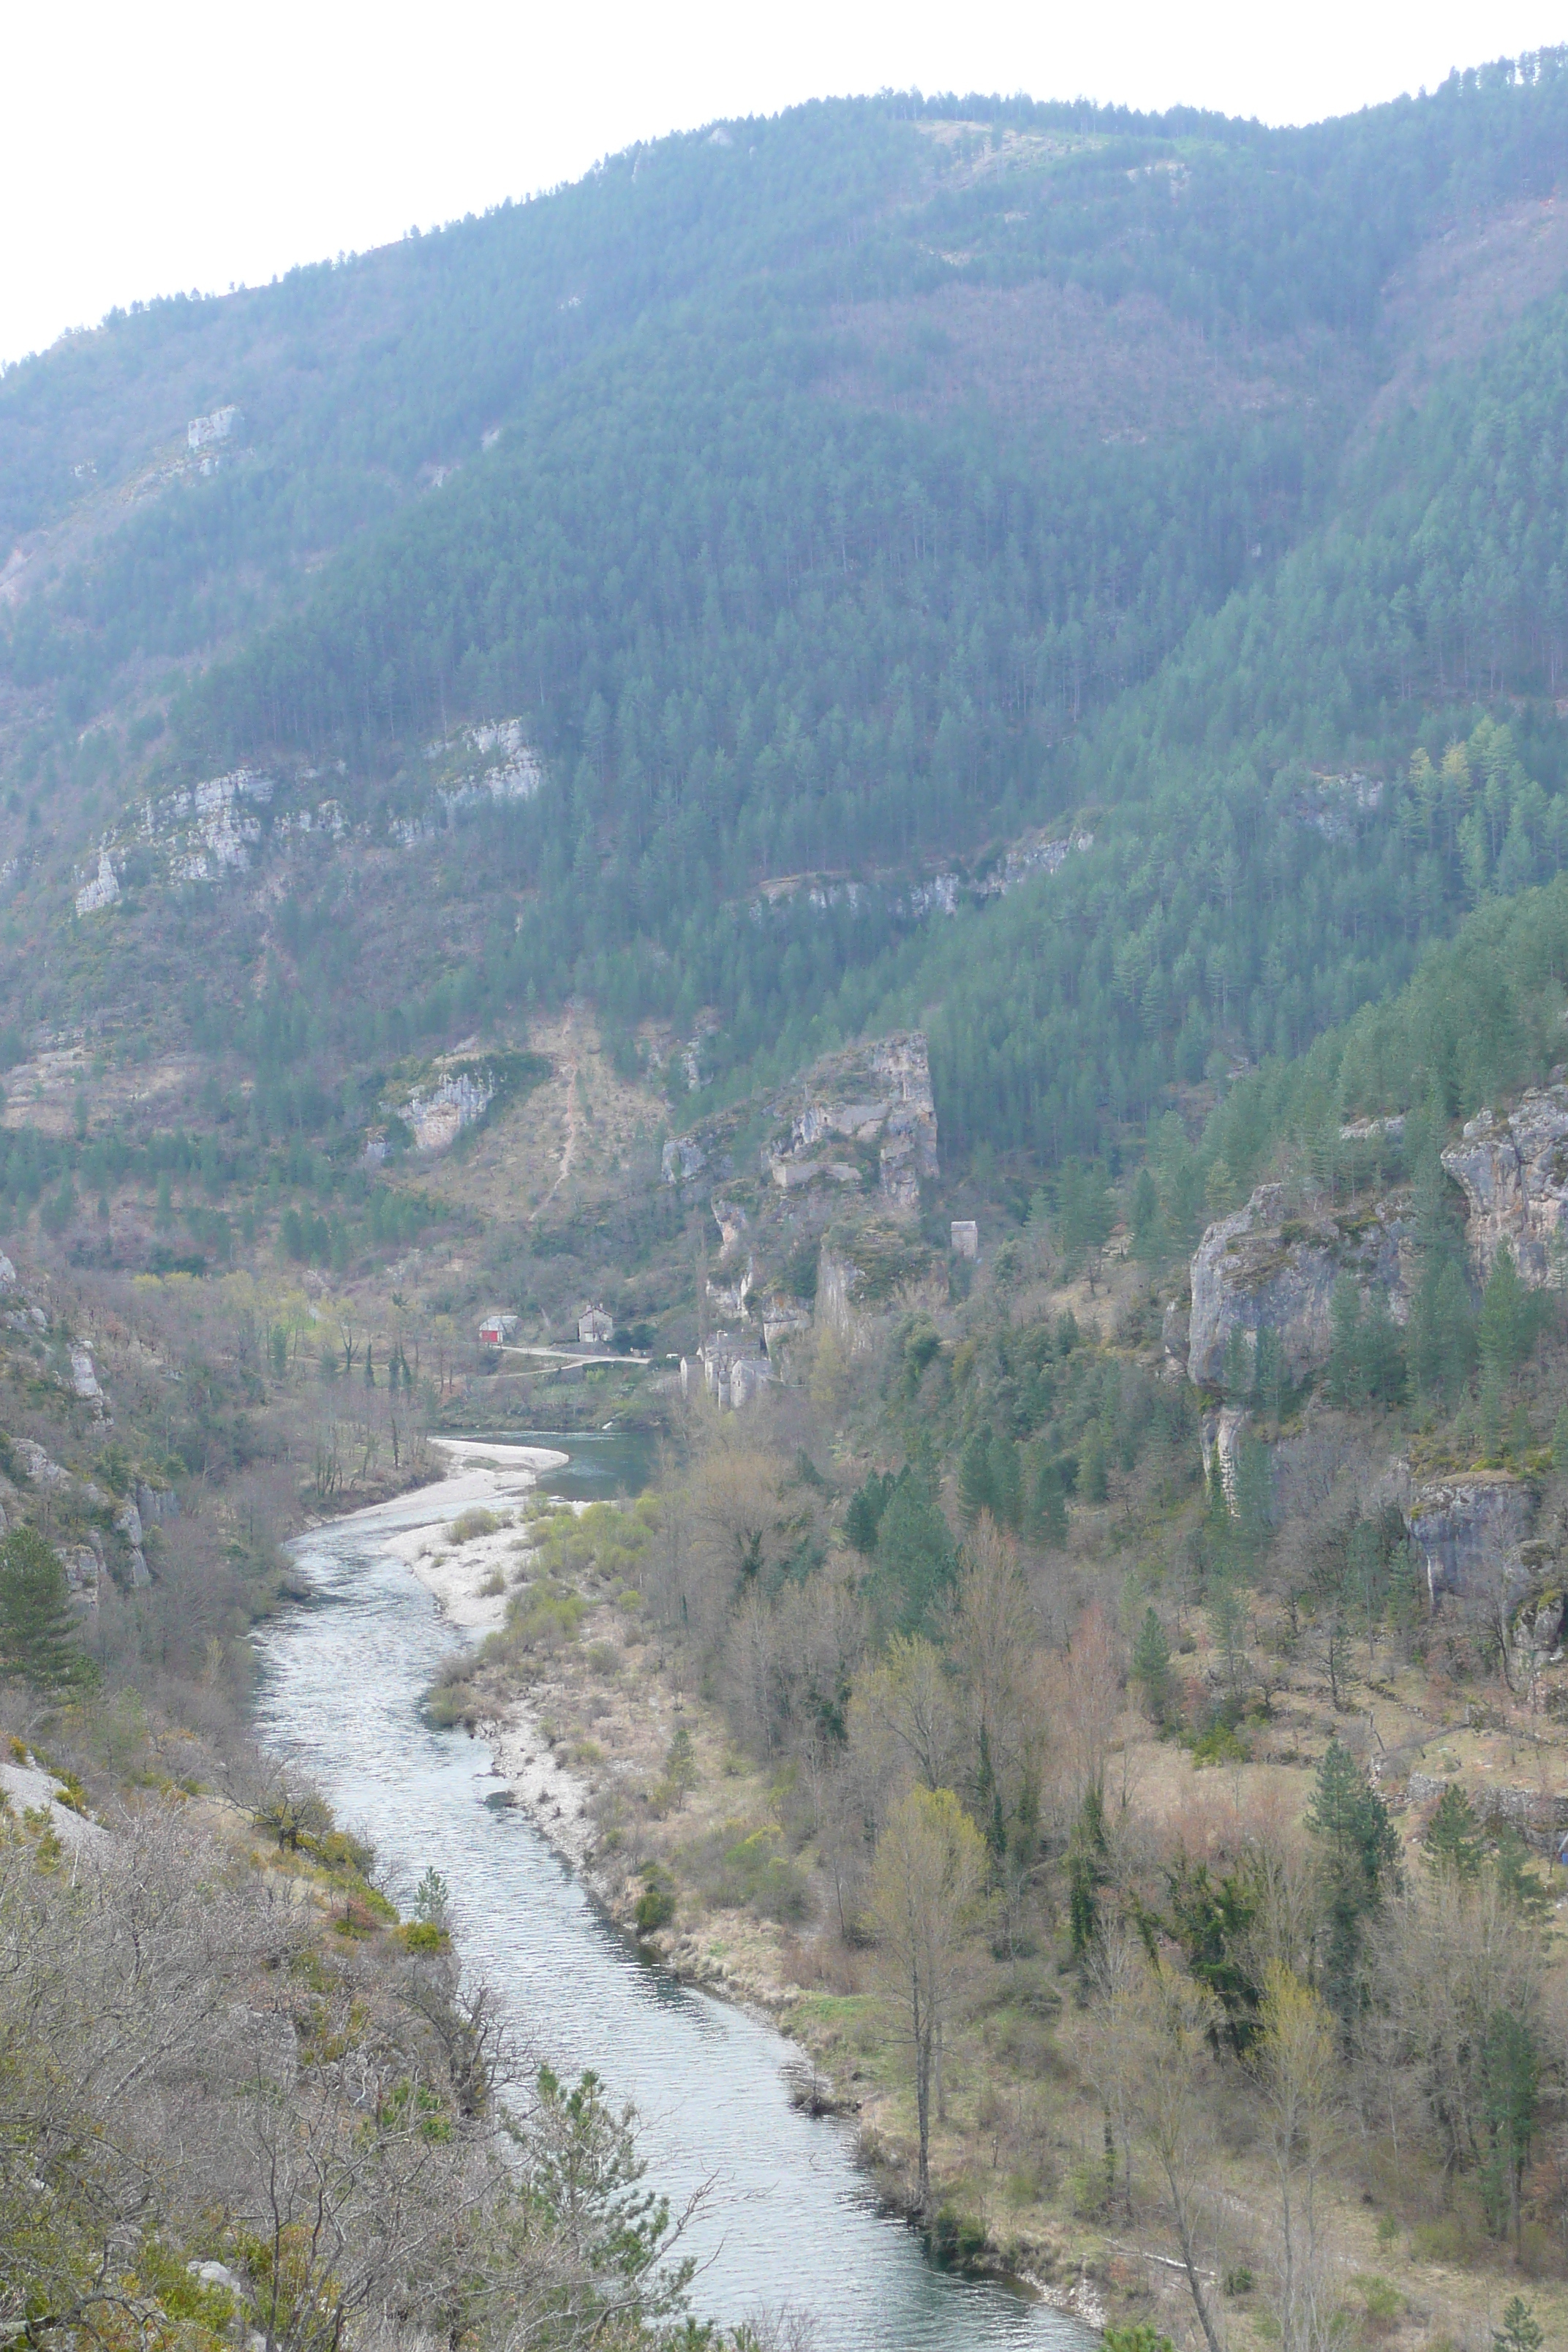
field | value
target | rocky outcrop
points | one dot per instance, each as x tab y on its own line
682	1159
1512	1167
41	1469
102	891
1261	1269
783	1319
210	829
1470	1531
835	1280
1538	1627
513	769
455	1101
128	1524
731	1220
732	1298
873	1096
1220	1434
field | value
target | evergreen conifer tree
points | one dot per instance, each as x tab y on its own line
976	1484
1152	1665
1452	1839
1145	1217
39	1641
1363	1851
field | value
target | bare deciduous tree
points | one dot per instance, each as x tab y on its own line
926	1890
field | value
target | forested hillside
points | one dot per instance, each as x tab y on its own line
876	807
847	493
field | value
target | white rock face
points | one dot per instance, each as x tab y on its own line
1513	1172
84	1378
453	1103
681	1160
1261	1269
214	828
206	432
879	1094
40	1468
783	1319
731	1220
1220	1435
1470	1531
513	771
31	1790
102	891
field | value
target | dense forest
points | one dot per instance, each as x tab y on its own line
760	630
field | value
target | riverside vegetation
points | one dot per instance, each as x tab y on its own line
1082	590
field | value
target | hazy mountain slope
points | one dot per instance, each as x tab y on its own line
873	483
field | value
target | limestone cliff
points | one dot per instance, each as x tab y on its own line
878	1096
1470	1531
1261	1268
1512	1167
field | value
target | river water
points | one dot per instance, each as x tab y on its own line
787	2220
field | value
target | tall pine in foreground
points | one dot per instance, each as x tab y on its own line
39	1642
1362	1853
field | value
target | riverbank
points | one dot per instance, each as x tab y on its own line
632	1777
783	2215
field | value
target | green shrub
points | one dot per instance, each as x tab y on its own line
1381	2300
1218	1745
751	1873
544	1616
655	1905
471	1524
958	2237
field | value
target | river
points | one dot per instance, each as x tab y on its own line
788	2220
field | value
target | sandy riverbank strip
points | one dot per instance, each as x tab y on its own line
470	1582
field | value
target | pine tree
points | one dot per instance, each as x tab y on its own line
1520	2330
1452	1839
38	1637
976	1483
1145	1217
1511	2071
1006	1487
1050	1505
1506	1326
916	1560
1088	1874
1152	1665
1345	1386
1351	1819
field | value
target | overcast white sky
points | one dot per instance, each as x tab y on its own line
165	145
